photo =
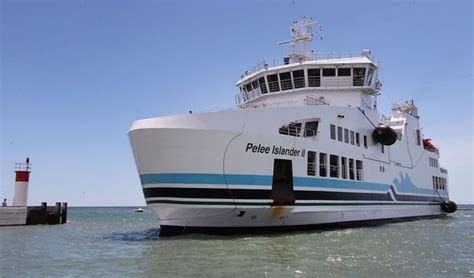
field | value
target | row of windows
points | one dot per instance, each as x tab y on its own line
346	135
433	162
335	167
296	79
439	183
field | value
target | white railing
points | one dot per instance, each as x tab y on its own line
299	82
322	170
314	81
343	172
311	168
298	132
359	174
309	57
286	84
274	86
291	130
310	133
334	171
22	167
242	99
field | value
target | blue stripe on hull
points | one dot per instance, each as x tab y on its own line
403	186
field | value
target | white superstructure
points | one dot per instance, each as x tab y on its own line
305	145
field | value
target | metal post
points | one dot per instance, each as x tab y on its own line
57	213
44	213
64	213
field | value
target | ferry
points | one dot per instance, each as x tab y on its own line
305	146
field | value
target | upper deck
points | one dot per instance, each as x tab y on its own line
316	75
342	79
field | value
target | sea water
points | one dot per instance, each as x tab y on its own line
120	242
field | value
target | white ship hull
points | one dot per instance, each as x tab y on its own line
217	170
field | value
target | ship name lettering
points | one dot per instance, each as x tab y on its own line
257	149
278	150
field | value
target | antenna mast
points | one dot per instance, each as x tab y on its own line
301	32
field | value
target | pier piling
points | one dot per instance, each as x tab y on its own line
64	213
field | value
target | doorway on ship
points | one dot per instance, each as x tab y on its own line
282	186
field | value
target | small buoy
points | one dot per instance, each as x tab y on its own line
449	207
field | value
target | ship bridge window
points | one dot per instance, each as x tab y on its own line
263	85
329	72
248	87
255	84
285	80
314	77
273	83
292	129
343	72
370	74
311	129
358	77
298	79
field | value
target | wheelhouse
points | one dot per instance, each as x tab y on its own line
314	76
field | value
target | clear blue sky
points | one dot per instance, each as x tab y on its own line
76	74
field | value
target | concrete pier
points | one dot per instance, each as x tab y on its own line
52	215
10	216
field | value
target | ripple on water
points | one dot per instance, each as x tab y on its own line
118	242
150	234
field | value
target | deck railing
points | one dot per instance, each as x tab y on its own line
22	167
359	175
311	168
309	57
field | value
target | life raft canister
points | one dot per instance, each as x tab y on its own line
384	135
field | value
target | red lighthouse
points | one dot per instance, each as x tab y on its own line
22	177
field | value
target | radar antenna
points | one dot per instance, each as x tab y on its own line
301	32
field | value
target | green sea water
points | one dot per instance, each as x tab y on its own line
117	242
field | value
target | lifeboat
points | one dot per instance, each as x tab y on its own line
428	145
